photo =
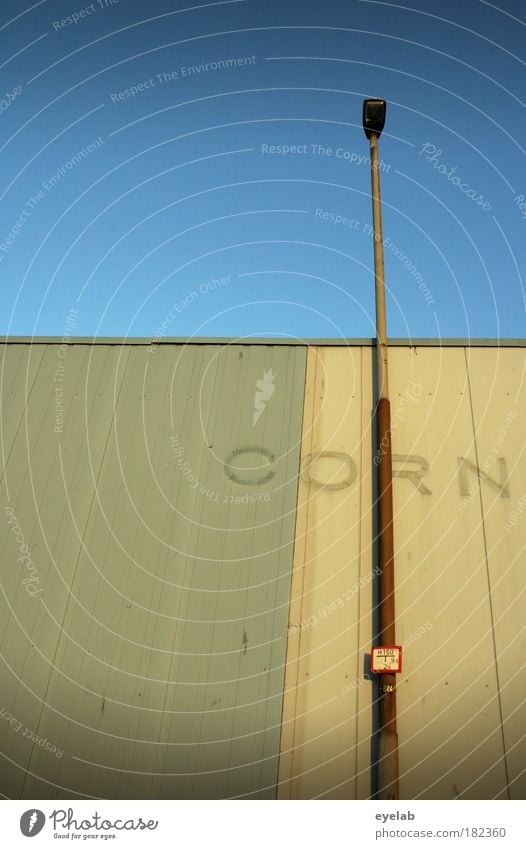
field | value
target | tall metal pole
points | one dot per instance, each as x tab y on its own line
387	732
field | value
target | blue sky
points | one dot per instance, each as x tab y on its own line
179	170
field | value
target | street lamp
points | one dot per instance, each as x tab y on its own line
373	124
373	117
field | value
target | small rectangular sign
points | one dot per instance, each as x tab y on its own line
386	659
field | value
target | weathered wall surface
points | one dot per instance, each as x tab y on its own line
187	568
145	657
460	536
327	713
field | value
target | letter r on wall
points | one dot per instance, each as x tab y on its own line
414	475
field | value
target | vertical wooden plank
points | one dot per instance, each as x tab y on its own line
49	497
301	547
448	722
499	407
326	658
168	676
18	371
364	589
449	725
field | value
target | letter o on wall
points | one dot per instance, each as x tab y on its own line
266	474
311	459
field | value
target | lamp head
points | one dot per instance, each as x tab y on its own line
373	116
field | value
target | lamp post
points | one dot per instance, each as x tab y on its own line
373	124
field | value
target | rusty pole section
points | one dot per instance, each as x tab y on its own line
387	733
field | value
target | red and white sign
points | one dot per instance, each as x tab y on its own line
386	659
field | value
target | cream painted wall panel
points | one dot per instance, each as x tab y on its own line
449	724
325	656
364	589
448	718
497	380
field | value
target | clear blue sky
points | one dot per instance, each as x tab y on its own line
150	149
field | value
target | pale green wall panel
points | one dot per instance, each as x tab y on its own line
161	628
48	485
